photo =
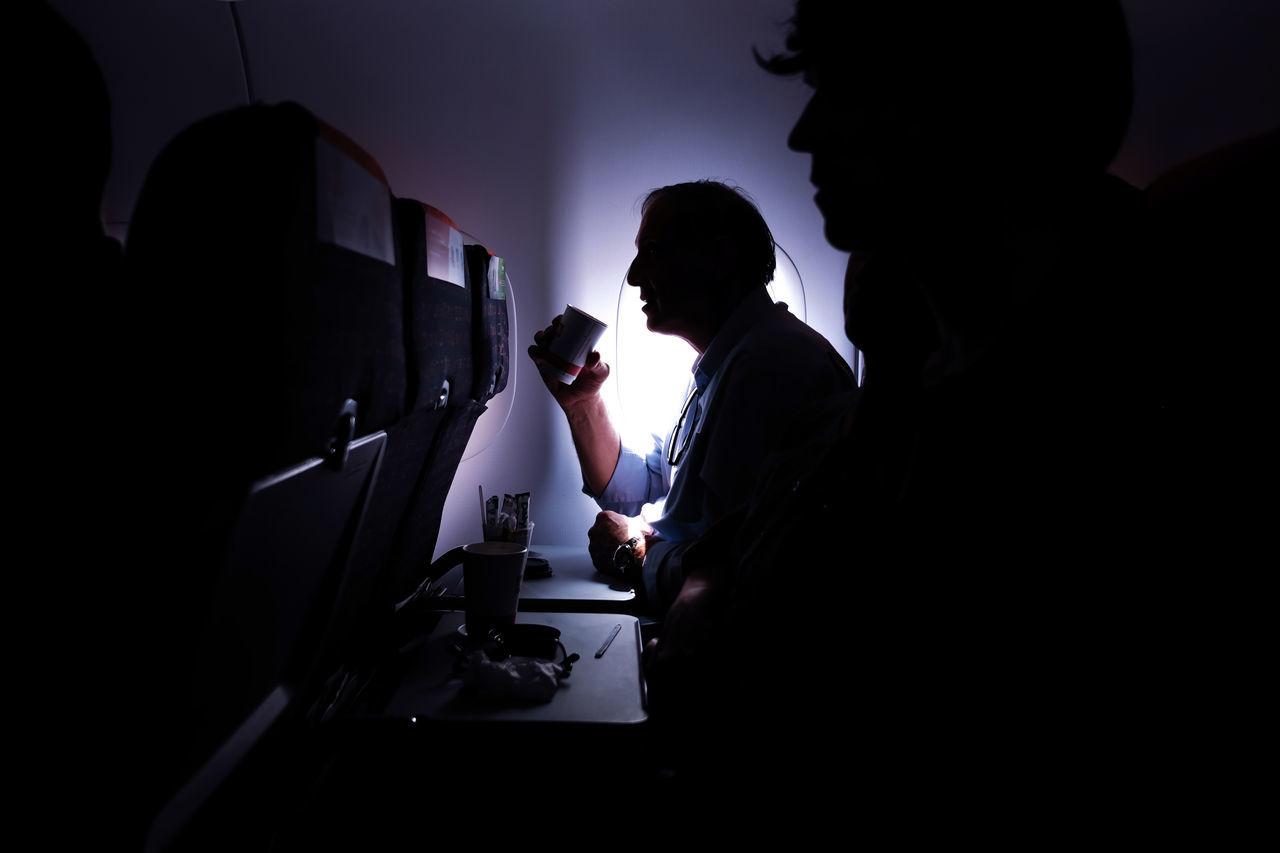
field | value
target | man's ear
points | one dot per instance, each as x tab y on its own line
728	256
727	250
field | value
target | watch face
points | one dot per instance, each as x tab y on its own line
622	556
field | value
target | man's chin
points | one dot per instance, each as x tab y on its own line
850	233
854	218
841	237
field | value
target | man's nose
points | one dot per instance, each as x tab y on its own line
633	277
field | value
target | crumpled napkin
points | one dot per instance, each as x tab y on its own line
515	676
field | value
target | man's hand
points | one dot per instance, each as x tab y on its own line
595	438
611	530
685	628
590	379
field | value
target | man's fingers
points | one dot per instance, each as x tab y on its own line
540	335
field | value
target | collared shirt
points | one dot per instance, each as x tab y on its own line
756	380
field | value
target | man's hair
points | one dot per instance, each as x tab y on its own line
723	218
1054	76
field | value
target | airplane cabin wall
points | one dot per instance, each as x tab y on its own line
537	126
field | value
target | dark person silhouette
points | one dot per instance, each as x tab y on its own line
986	640
1210	228
75	592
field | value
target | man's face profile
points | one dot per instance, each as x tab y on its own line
669	273
875	148
856	138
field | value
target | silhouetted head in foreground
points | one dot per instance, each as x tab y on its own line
920	112
942	136
66	125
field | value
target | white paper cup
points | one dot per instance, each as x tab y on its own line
491	576
579	333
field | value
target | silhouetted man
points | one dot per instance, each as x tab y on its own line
704	256
973	645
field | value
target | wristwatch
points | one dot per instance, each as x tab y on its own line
624	557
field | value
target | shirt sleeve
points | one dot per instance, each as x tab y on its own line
638	479
667	564
663	574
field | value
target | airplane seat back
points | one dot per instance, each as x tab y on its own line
1212	222
457	342
1211	226
457	333
263	242
440	335
289	308
401	526
266	322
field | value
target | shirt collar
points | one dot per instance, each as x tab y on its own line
754	308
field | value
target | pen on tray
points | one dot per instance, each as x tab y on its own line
605	647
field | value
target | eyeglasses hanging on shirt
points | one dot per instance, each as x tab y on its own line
682	433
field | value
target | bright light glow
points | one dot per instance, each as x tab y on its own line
652	373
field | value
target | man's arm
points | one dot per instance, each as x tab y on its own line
595	438
662	573
656	571
609	531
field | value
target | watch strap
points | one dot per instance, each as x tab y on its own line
624	558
